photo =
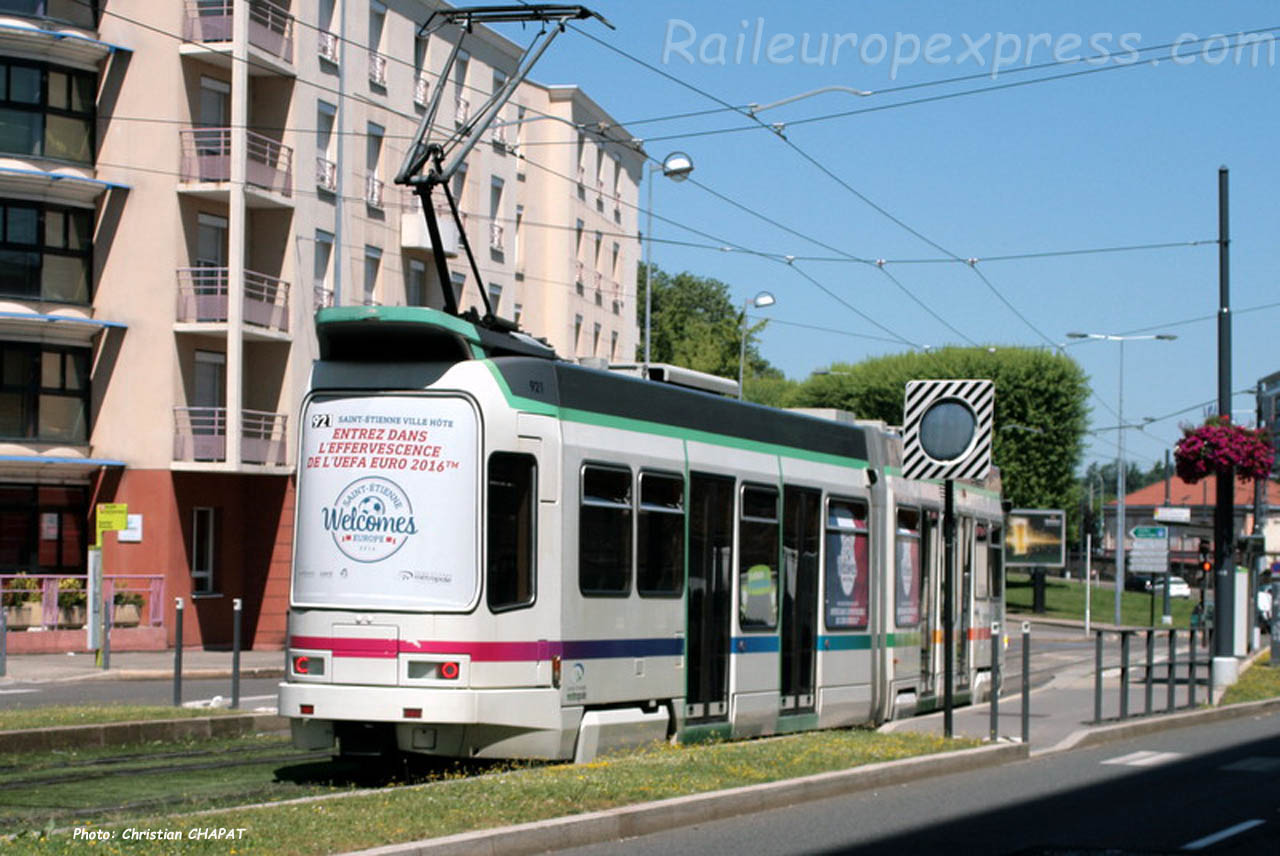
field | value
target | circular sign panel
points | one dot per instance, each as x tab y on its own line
946	429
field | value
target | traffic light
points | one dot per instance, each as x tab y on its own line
1206	560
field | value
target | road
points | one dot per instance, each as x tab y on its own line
254	692
1213	788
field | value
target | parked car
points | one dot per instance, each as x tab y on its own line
1177	585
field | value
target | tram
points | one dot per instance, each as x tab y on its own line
503	554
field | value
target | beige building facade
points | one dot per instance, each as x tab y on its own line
183	185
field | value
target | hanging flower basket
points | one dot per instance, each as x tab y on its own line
1217	445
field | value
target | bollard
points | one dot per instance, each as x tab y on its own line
1274	632
4	640
1026	683
235	652
108	607
1097	678
1173	666
1191	671
994	730
1124	674
1151	665
177	657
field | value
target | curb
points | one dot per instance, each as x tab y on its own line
630	821
160	675
120	733
1102	734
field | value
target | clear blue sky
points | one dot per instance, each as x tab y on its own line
1125	155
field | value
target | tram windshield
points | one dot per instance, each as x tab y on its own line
387	503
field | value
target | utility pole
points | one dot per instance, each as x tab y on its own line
1224	663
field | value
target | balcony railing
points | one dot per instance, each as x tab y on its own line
202	298
327	46
270	26
326	175
321	297
495	237
377	69
373	188
421	90
206	156
200	434
461	111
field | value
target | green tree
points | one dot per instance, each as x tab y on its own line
1040	410
696	325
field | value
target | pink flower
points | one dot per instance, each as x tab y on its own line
1218	446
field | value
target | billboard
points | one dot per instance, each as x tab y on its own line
1035	538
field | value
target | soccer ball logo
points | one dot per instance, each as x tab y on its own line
370	505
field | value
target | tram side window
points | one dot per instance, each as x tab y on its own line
512	506
848	565
758	559
604	532
660	536
906	596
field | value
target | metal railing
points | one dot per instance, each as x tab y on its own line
53	601
421	90
270	26
461	111
377	69
200	434
1171	671
326	175
373	191
327	46
203	296
321	297
206	156
495	237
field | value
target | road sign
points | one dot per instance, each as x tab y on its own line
946	429
1150	552
1171	514
111	516
1149	533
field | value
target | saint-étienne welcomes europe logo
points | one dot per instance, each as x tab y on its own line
371	520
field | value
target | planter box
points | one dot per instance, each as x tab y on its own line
127	615
23	616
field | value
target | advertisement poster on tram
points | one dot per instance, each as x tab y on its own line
848	567
387	503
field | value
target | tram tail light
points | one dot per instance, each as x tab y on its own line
307	664
306	709
449	670
413	713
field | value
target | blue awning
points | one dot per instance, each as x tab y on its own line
57	186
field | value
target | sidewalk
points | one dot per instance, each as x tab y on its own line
139	665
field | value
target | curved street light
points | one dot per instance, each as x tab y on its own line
675	166
760	301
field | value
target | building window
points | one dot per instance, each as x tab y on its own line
577	331
42	528
906	591
613	346
415	290
45	252
44	393
372	261
595	340
517	312
458	281
848	567
204	532
373	160
47	111
512	509
495	297
323	288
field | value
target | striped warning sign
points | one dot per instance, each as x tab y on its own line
946	429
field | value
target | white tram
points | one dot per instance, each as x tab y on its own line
501	554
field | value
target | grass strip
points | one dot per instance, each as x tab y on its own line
22	719
1258	682
1065	599
517	796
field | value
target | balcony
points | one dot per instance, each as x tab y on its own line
203	299
373	191
414	234
421	90
200	436
209	24
461	111
321	297
326	175
206	158
495	237
327	46
377	70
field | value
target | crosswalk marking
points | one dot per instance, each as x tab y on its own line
17	692
1143	759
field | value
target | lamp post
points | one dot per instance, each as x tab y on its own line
760	301
1120	461
675	166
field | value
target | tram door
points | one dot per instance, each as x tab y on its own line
802	533
710	579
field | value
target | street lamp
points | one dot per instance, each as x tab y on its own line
1120	462
675	166
760	301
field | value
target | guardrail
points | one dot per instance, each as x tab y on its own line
58	601
1170	666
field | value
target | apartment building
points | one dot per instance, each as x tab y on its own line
183	184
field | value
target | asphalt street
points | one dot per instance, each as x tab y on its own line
254	692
